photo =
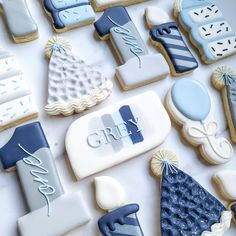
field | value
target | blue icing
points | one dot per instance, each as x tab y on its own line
131	124
118	15
30	136
69	14
186	4
121	222
76	15
193	27
233	209
59	4
171	39
191	98
186	207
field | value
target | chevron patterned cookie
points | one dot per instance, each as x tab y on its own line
208	29
69	14
16	101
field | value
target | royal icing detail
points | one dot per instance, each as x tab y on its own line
121	220
29	151
116	133
208	29
189	103
225	181
73	85
115	24
16	101
24	28
185	200
224	79
69	14
167	36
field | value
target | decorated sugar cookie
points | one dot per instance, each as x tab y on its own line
186	208
51	211
117	133
224	79
165	35
190	106
138	66
16	101
20	23
225	183
208	29
101	5
121	219
67	15
73	85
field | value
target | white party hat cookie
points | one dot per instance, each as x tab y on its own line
73	85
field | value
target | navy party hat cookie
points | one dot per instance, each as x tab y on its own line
186	207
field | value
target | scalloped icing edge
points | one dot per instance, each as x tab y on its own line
218	229
78	105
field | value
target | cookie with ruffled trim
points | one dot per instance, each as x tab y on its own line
186	207
224	80
73	85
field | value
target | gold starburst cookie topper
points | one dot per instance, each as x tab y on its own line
57	44
164	160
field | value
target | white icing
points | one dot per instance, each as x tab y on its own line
73	85
216	150
148	73
68	212
12	87
7	64
223	47
219	229
105	156
106	3
17	109
110	195
207	13
227	179
156	16
214	30
16	101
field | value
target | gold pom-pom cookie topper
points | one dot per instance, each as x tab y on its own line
57	44
164	160
224	80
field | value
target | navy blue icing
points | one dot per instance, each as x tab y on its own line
186	207
176	48
107	223
126	114
55	12
233	209
117	14
30	136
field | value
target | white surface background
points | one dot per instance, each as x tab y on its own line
134	175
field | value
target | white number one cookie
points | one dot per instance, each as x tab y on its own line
138	66
19	20
210	33
189	105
